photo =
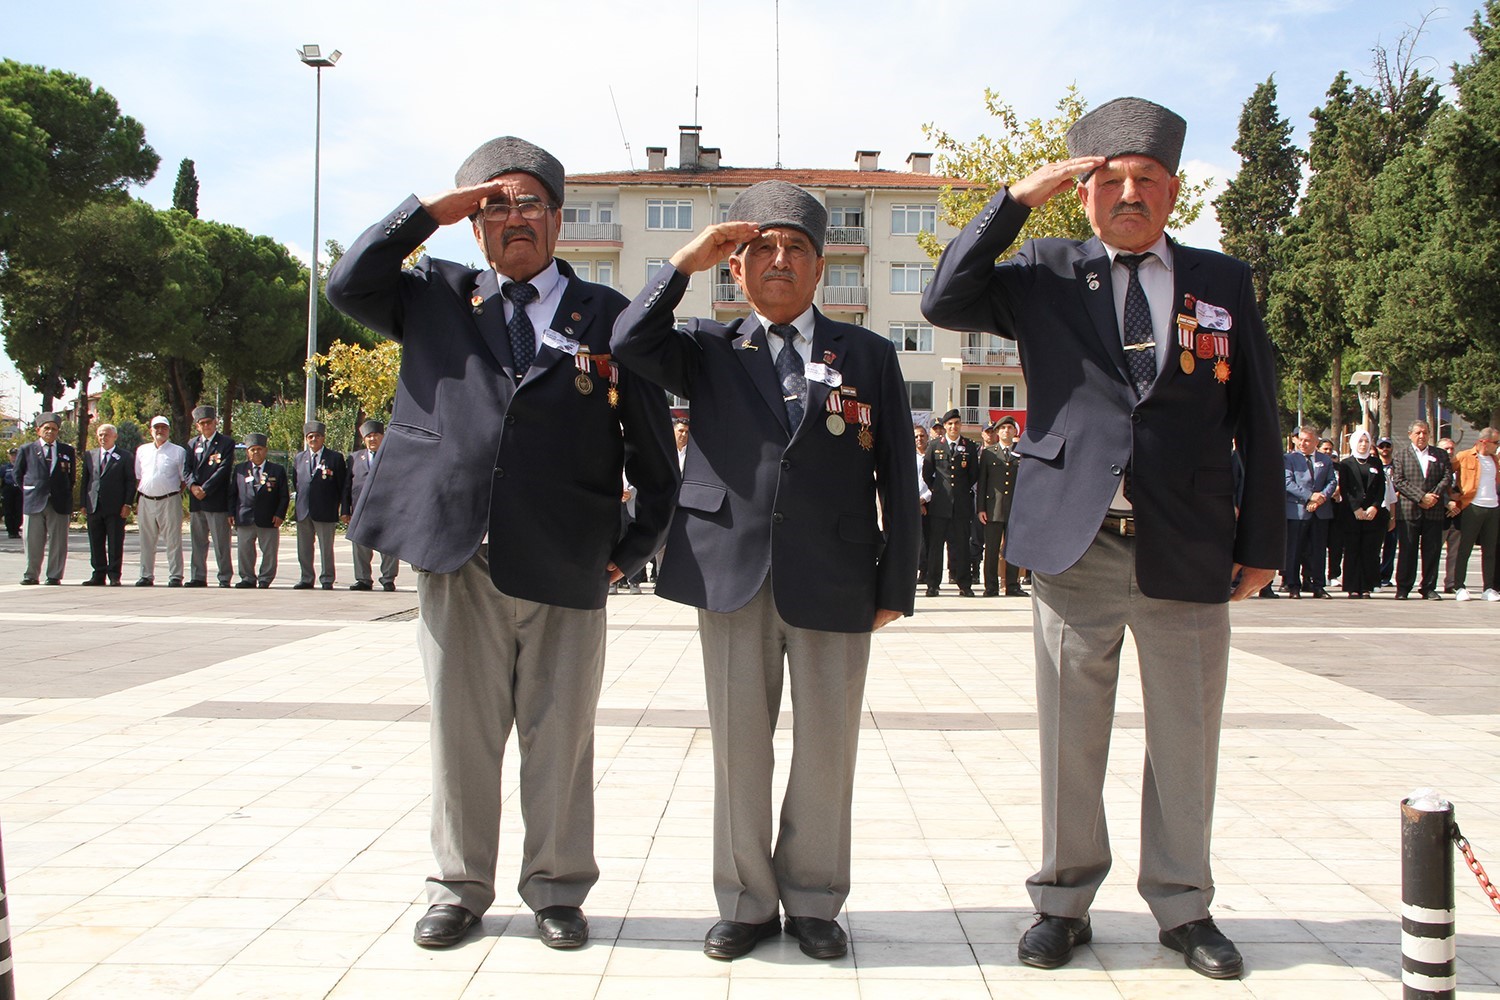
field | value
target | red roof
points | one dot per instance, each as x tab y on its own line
745	176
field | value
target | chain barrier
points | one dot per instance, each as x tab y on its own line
1477	868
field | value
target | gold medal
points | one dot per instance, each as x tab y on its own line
583	384
613	396
1221	370
835	424
866	439
1187	362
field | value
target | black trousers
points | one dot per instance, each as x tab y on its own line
106	544
1412	537
1306	555
11	500
994	537
951	533
1362	541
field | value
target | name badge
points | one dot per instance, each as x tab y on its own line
551	338
818	372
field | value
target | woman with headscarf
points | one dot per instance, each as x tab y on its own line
1362	509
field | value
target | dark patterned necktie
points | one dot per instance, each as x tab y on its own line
1140	342
522	333
49	458
793	379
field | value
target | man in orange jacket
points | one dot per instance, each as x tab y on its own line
1478	499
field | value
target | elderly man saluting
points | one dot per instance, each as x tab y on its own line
1145	362
799	424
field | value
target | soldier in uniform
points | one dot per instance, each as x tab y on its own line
360	464
950	470
320	473
261	496
44	472
997	481
210	458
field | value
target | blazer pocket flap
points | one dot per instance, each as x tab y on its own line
853	528
1041	444
706	497
412	430
1214	482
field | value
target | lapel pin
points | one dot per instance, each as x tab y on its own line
1093	280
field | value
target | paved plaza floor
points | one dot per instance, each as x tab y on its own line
222	793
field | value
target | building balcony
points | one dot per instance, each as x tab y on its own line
991	357
729	295
846	239
591	234
846	298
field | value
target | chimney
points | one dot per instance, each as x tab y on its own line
687	155
708	157
656	157
920	163
868	159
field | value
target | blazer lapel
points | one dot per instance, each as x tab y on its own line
489	320
1184	261
755	354
826	341
574	317
1092	269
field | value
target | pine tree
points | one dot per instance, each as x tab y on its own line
185	194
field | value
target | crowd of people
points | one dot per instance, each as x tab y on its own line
248	500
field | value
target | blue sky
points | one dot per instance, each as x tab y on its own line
420	85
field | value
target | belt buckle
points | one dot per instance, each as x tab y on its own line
1124	526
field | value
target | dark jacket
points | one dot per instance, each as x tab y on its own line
951	471
210	465
258	501
1412	484
106	491
997	482
320	489
41	488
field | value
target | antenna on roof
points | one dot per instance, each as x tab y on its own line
778	84
697	54
630	159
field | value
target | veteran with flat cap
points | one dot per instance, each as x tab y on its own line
261	497
517	424
44	471
1145	362
795	536
210	461
372	432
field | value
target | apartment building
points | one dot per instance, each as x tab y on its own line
620	227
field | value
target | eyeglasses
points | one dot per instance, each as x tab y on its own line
528	210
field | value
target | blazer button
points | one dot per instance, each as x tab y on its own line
1135	418
786	463
499	472
777	517
1114	470
510	418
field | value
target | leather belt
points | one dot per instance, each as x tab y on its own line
163	496
1119	525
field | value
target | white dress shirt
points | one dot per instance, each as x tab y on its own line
805	325
549	285
159	471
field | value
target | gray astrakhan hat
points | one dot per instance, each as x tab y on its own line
1126	126
777	203
205	413
314	427
255	440
48	418
371	427
508	155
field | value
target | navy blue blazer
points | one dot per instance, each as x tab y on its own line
758	499
359	473
1084	424
468	451
210	464
1303	481
41	488
258	501
106	490
320	492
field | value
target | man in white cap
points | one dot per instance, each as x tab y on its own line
1146	364
160	472
44	472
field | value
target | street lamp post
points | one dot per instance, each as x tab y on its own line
313	56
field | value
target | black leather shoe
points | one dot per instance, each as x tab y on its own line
932	592
196	583
965	592
818	938
93	581
1048	944
264	585
562	926
245	585
389	588
1205	948
28	583
302	586
174	583
327	586
731	938
1432	595
360	586
54	582
143	582
1322	594
1018	592
443	926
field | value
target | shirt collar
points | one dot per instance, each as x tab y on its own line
805	324
543	282
1162	248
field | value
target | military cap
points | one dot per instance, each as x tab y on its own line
508	155
776	203
1006	420
371	427
1129	126
48	418
951	415
253	440
314	427
204	413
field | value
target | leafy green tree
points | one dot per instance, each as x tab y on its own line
185	192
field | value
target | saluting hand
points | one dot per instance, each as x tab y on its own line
460	203
1053	179
714	245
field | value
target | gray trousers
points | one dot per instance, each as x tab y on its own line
307	531
205	526
389	564
160	523
1080	619
47	530
493	662
808	868
249	538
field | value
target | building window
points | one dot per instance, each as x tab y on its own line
842	276
653	265
909	220
584	269
606	211
662	214
971	396
586	212
1007	397
846	215
912	338
723	211
910	279
604	271
919	395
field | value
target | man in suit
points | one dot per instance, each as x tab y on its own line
799	424
1422	478
108	487
510	419
320	475
10	494
261	497
1145	362
360	464
1310	479
44	471
209	470
950	469
997	484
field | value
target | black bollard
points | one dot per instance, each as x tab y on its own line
7	973
1428	937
